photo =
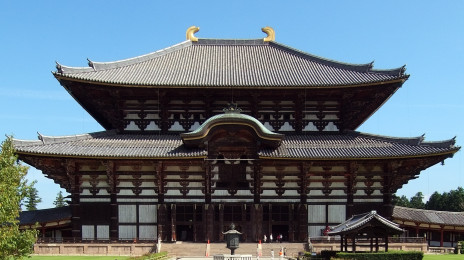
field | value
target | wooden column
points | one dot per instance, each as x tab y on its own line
208	221
291	217
257	182
173	223
113	190
221	221
207	182
441	236
162	219
350	184
257	220
74	184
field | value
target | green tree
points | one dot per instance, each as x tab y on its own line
417	201
32	197
436	202
59	201
402	201
456	200
14	244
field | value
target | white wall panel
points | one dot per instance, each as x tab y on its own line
147	213
315	231
103	232
316	213
88	232
337	213
148	232
127	232
127	214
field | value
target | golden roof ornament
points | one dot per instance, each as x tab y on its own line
190	31
270	34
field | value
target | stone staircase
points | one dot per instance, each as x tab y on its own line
190	249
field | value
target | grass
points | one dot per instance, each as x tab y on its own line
43	257
443	257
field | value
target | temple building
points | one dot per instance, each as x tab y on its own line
210	132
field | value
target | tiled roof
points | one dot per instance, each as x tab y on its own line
109	144
358	221
429	216
229	63
44	215
351	144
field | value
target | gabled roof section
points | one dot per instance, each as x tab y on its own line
236	63
361	221
232	116
428	216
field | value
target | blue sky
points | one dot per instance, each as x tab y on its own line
427	36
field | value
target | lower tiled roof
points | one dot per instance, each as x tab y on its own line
109	144
44	215
429	216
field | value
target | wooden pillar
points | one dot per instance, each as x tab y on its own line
208	221
346	243
341	242
74	183
353	243
112	190
350	183
173	222
257	220
386	243
372	244
207	182
303	222
221	221
257	182
376	244
291	217
441	236
162	219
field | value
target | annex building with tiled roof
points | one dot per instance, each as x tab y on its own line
210	132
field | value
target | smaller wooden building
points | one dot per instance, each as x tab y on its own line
369	227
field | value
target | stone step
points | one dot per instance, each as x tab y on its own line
190	249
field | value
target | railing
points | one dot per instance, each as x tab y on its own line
43	240
327	239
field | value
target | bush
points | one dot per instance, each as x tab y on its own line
155	256
392	255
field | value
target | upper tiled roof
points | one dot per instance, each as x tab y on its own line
429	216
109	144
358	221
229	63
44	215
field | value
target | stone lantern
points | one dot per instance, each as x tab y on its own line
232	238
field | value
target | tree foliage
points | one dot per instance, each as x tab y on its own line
402	201
60	201
447	201
32	196
417	201
14	244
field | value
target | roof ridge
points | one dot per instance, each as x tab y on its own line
362	67
99	66
418	140
431	210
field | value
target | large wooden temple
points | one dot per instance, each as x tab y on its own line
213	131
